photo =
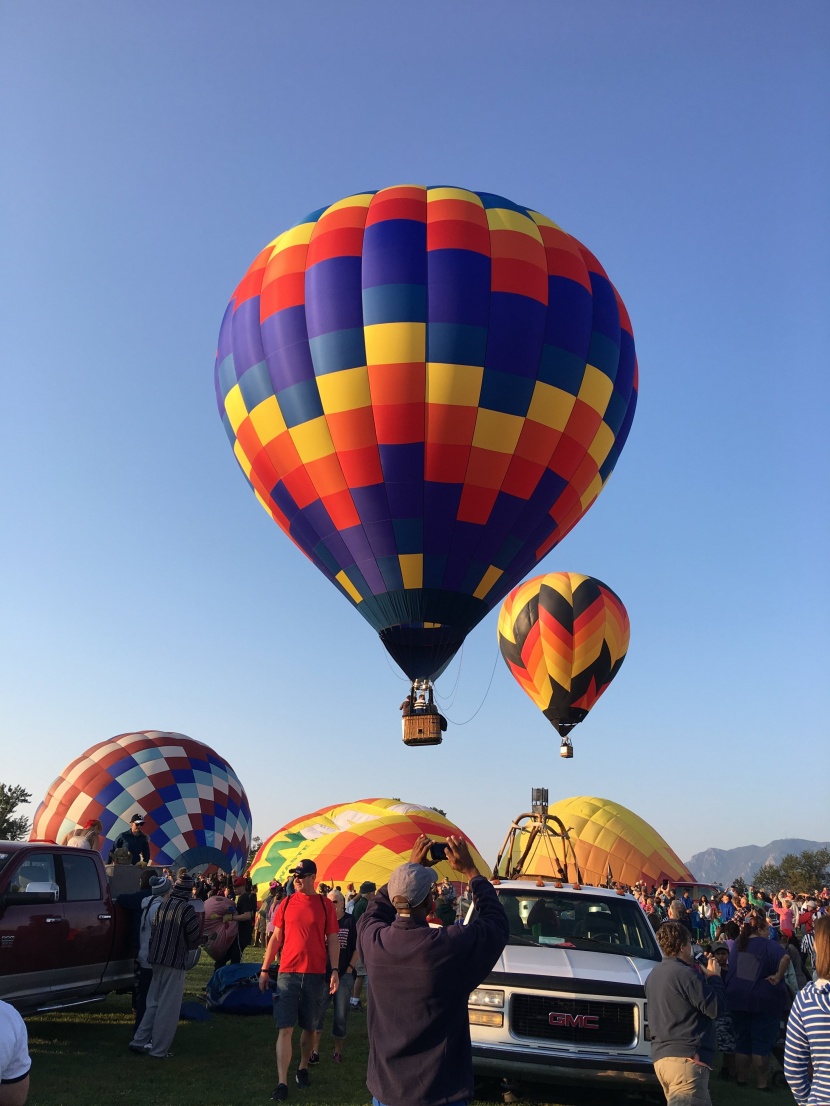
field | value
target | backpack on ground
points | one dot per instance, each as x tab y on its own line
234	989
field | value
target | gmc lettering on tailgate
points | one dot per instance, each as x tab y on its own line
575	1021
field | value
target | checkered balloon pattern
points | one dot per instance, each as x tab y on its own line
563	636
362	840
427	388
195	809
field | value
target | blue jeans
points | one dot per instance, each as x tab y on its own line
341	1007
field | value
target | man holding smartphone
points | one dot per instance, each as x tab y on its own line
419	1032
684	1000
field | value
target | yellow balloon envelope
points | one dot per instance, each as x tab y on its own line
607	837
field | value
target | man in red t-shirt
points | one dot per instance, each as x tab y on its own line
305	930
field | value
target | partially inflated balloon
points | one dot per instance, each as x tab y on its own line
195	809
426	388
608	839
563	636
363	840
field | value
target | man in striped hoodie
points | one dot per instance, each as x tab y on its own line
176	930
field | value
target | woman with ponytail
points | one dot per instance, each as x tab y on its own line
756	997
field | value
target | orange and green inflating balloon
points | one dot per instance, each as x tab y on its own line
426	388
563	636
355	841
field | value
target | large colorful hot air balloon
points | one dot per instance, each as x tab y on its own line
563	636
426	388
363	840
195	809
609	841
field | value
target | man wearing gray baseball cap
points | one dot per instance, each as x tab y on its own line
421	978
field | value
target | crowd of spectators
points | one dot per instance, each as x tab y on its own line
765	943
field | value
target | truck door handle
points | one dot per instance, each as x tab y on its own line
53	919
104	917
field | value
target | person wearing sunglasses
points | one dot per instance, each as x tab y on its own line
306	931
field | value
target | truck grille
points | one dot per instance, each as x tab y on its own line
612	1023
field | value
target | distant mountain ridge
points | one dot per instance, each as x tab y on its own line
725	865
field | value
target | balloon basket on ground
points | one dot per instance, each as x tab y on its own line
422	729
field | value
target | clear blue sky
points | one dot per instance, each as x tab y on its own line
150	150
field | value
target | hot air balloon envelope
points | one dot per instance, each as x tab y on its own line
563	636
196	813
609	840
362	840
426	388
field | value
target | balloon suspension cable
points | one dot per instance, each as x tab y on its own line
484	700
395	669
555	862
448	699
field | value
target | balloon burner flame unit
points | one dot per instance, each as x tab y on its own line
539	801
566	750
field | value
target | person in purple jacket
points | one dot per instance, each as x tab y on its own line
421	978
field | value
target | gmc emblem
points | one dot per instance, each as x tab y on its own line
575	1021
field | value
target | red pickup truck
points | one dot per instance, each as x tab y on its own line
62	940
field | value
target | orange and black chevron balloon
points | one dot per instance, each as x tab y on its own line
563	636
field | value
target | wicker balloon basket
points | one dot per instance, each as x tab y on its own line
422	729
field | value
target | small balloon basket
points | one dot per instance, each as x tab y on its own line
421	729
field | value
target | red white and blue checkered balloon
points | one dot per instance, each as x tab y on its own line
195	810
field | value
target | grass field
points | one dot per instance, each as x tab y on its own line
80	1058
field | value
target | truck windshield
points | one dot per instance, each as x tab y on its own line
576	920
4	859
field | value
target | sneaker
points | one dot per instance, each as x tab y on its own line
314	1058
139	1050
338	1058
280	1093
166	1056
302	1077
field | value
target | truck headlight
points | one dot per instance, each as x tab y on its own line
493	1018
486	996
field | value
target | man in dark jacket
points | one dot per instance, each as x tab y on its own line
135	840
419	1033
684	1000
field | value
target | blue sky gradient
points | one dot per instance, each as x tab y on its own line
151	150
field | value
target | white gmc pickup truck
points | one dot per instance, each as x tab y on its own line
565	1003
